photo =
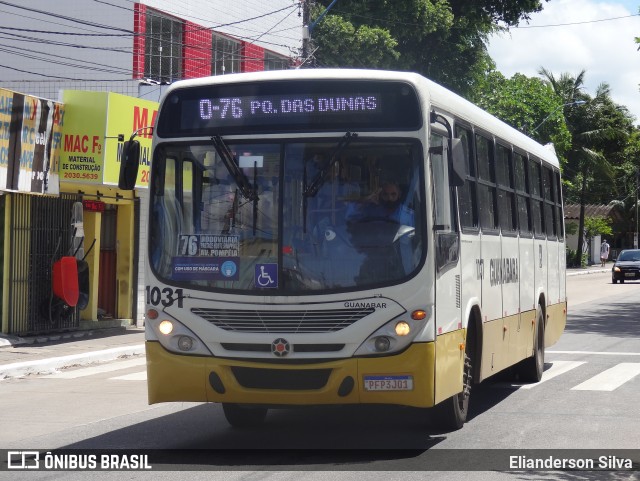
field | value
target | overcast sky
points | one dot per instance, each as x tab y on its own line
604	48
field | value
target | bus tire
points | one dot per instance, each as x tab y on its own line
531	369
451	414
243	416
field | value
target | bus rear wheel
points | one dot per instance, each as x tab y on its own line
243	416
531	369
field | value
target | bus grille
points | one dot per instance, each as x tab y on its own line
298	380
330	320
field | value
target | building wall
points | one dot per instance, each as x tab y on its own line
109	63
253	58
274	25
113	61
197	51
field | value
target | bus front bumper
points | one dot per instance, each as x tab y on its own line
172	377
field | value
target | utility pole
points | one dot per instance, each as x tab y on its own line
635	234
306	32
307	29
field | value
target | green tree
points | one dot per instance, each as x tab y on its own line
443	40
597	225
598	130
524	103
627	184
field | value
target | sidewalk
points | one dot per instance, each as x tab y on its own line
30	355
594	269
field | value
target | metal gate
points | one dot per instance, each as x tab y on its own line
107	292
41	232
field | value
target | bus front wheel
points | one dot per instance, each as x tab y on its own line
242	416
451	414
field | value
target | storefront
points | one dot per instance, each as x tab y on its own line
84	215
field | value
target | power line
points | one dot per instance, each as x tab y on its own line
119	33
129	33
48	57
60	78
64	17
577	23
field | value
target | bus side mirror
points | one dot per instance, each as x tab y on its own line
457	171
129	162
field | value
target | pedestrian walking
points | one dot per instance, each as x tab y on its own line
604	252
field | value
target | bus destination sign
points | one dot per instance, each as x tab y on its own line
289	106
285	106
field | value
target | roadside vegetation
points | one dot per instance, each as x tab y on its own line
597	140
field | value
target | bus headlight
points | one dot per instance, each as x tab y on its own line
185	343
403	328
394	336
176	337
165	327
382	343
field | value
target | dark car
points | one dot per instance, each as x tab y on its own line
626	267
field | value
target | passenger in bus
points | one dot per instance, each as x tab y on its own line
327	207
384	203
388	246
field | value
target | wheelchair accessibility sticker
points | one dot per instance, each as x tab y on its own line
266	275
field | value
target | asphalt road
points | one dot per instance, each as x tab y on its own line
588	400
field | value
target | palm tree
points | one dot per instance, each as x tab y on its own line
589	129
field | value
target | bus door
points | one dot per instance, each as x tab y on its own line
528	264
539	231
495	337
446	241
509	259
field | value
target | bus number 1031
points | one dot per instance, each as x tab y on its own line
166	296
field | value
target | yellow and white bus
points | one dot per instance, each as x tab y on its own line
344	237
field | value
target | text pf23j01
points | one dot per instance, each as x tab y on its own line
165	296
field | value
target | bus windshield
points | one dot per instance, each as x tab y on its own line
288	216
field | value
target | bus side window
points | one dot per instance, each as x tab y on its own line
447	245
506	196
558	207
486	183
522	194
549	202
467	193
536	196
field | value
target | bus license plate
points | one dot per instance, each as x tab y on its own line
388	383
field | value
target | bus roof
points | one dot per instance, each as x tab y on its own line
437	95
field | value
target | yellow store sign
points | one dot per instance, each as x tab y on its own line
91	150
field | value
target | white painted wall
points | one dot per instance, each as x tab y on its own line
67	55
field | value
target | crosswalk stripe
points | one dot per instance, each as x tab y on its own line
604	353
90	371
610	379
136	376
557	368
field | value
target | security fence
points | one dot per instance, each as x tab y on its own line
40	232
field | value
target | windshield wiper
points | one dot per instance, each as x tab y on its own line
318	181
247	190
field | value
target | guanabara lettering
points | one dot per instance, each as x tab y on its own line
365	305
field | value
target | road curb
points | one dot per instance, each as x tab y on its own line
587	271
39	366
